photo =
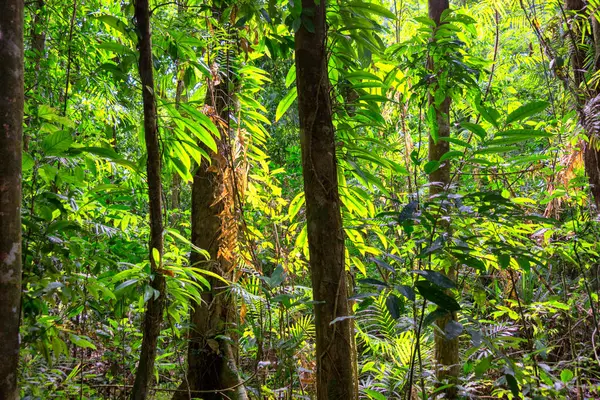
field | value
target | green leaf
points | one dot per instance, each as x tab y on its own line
181	168
451	155
81	341
156	256
432	122
453	330
513	385
367	177
148	293
202	67
62	226
437	296
295	205
59	347
363	75
394	306
117	48
104	152
200	133
566	375
370	8
523	263
525	133
434	316
46	112
27	162
436	278
475	128
371	281
56	143
431	166
285	103
406	291
373	394
496	149
489	114
483	366
526	110
471	262
290	78
117	24
373	98
126	284
426	21
202	119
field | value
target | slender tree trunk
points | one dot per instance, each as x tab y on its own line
38	43
176	182
211	360
38	37
154	311
11	133
336	370
446	351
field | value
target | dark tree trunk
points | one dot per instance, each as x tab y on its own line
587	102
446	351
211	366
154	311
176	182
336	369
211	361
11	133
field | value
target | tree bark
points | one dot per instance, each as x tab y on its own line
446	351
336	369
11	134
38	43
584	96
176	182
154	311
211	361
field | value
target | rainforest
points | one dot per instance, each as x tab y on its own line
299	199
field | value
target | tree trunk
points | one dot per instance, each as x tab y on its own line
336	370
446	351
211	361
176	182
154	311
11	133
584	96
38	43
